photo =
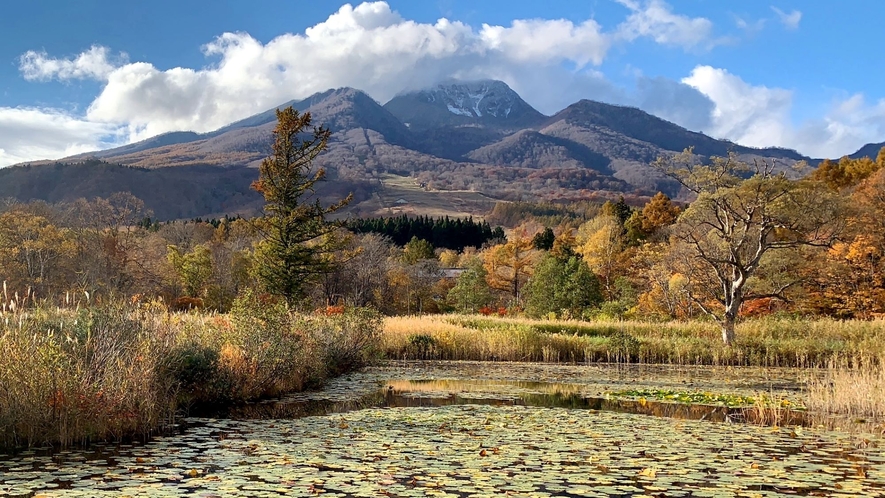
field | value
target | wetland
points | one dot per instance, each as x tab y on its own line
483	429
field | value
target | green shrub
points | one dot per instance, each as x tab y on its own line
421	346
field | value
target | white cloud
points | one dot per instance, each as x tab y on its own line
790	20
536	40
674	101
749	26
94	63
27	134
369	47
760	116
654	19
749	115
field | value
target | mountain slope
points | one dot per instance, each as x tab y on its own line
640	125
248	141
868	150
170	193
530	149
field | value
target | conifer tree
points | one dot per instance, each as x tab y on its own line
291	251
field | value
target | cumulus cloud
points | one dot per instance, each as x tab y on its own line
759	116
370	47
790	20
654	19
95	63
674	101
749	115
31	133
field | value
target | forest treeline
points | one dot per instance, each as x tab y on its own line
445	233
580	260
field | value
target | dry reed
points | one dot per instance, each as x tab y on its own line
763	342
855	389
71	376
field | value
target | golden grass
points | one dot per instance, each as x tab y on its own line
75	376
764	342
848	356
857	391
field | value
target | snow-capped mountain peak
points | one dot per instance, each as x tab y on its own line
485	103
476	99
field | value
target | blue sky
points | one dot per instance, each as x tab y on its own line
91	74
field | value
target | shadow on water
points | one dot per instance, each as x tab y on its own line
437	393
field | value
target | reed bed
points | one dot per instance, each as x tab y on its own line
72	376
764	342
857	391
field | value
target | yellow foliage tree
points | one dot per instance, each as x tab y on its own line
601	242
510	265
34	252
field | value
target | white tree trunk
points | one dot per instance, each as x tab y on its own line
732	308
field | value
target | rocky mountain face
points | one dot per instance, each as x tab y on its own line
457	136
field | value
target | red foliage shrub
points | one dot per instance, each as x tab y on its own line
330	310
187	304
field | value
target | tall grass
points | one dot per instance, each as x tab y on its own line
75	376
854	390
763	342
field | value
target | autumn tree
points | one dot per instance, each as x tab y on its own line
192	269
847	172
34	253
849	279
107	239
602	242
417	249
286	259
659	212
414	287
726	234
510	265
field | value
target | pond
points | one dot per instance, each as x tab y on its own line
469	429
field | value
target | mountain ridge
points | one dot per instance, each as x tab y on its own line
455	136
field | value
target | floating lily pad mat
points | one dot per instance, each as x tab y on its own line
466	450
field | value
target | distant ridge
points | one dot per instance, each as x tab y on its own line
477	136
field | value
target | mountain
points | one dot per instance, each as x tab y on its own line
644	127
449	149
530	149
868	150
485	103
247	141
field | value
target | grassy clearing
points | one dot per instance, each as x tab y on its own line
75	376
418	201
765	342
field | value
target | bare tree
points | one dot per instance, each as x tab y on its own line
742	214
